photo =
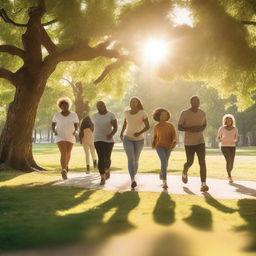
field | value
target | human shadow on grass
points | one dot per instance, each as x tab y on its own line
244	190
164	211
247	210
216	204
200	218
29	217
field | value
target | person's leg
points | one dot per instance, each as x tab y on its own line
100	152
63	158
107	158
225	151
232	157
93	154
129	150
138	146
190	155
87	154
163	159
69	147
200	151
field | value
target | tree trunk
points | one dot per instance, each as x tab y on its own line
16	137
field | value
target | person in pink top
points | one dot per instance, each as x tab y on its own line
86	139
228	137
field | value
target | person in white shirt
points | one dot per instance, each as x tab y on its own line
105	126
65	126
135	124
228	137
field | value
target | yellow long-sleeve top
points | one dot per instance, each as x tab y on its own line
164	135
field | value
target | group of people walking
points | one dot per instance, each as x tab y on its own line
96	134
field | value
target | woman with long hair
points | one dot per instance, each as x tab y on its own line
64	126
86	139
134	126
228	137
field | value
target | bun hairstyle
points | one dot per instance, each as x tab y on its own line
64	100
228	116
157	112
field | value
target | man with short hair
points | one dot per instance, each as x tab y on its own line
193	122
105	126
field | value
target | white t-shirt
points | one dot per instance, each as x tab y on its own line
103	126
190	118
228	138
65	126
135	123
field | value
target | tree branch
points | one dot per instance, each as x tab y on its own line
108	69
8	75
245	22
13	50
6	18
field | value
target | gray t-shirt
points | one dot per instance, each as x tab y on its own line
102	126
190	118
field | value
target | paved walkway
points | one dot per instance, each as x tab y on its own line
150	182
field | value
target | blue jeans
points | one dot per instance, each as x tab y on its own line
164	155
133	149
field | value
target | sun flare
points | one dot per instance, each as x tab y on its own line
155	51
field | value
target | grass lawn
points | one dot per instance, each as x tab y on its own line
244	168
35	214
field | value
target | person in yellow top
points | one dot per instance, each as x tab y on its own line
164	140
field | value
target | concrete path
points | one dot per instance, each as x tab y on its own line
150	182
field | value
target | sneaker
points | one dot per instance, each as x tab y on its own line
102	181
95	164
107	175
204	188
134	184
184	178
230	180
64	174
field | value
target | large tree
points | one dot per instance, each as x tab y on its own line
88	29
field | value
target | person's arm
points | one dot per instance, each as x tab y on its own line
174	138
76	125
53	128
123	129
146	123
114	130
154	138
236	135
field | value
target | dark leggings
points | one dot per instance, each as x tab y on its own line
190	153
229	154
104	150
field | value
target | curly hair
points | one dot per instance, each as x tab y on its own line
228	116
64	100
157	112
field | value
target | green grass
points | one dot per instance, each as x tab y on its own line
35	214
244	168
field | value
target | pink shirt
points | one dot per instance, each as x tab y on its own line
228	138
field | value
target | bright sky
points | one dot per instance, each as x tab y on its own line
181	16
